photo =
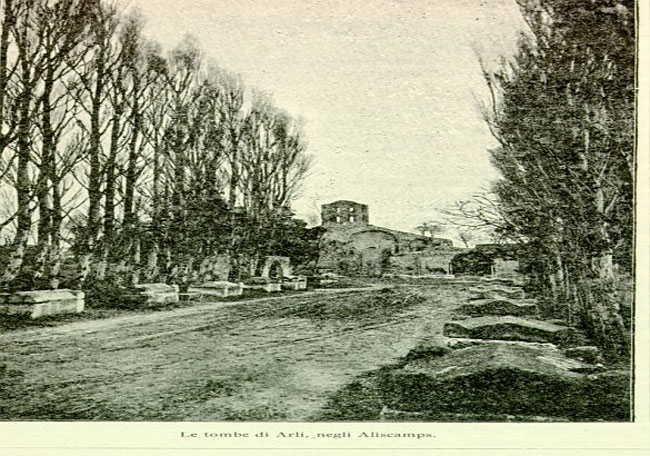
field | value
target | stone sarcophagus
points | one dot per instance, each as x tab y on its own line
485	307
157	293
43	303
260	283
294	283
497	292
221	289
509	328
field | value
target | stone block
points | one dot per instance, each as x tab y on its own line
509	328
43	303
272	287
313	281
157	293
456	343
587	354
486	307
259	283
294	283
496	292
505	268
222	289
503	281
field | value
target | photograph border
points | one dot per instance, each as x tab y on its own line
21	437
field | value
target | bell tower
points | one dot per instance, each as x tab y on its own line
344	213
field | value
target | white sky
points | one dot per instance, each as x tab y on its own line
386	88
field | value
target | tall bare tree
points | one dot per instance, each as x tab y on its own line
30	65
94	74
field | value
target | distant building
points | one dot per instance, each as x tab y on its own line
351	245
344	213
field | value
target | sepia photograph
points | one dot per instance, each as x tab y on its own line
319	211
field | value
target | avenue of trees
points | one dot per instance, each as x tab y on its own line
142	164
563	112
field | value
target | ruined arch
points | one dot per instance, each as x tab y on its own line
276	267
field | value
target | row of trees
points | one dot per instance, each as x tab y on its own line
144	162
563	112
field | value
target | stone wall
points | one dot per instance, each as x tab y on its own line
430	261
374	239
372	251
505	268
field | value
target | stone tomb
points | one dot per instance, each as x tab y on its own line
268	285
496	292
43	303
483	307
504	281
157	293
222	289
294	283
509	328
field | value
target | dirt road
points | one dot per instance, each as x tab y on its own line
268	359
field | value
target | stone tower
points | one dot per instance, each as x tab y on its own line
344	213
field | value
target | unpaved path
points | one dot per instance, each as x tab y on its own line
265	359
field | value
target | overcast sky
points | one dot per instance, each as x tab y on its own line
386	87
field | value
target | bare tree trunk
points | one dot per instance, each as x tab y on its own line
95	172
108	237
24	222
152	264
54	259
8	22
605	263
156	220
24	216
134	268
129	213
44	184
234	177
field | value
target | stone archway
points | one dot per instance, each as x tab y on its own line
276	267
